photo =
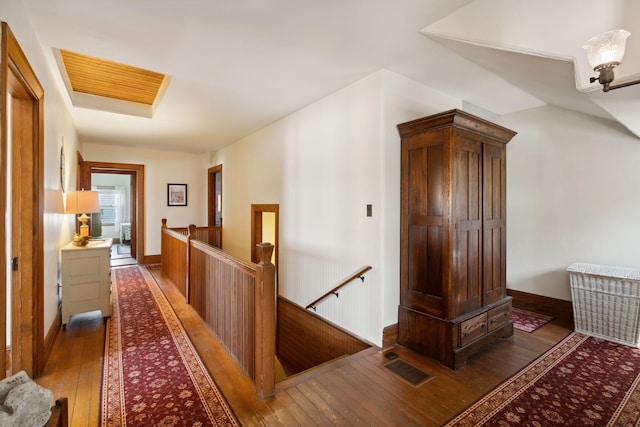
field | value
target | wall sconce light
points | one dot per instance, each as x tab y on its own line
81	203
605	52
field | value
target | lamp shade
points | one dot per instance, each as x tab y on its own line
606	49
80	202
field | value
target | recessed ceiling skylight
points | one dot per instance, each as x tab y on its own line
111	86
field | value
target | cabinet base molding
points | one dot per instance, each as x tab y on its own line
452	341
390	336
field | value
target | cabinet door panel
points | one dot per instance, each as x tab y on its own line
423	224
425	181
467	217
425	260
494	223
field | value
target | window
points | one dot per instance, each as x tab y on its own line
108	205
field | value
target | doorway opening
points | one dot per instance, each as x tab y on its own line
214	195
121	186
264	228
116	210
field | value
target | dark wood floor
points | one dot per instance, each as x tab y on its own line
357	390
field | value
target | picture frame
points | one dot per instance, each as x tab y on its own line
176	194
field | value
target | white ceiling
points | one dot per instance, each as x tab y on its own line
239	65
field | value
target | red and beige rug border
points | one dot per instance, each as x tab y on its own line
112	388
480	413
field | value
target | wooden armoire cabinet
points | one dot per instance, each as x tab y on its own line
453	297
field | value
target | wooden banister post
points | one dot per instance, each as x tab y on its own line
265	322
164	222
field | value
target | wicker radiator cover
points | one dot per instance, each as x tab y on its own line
606	301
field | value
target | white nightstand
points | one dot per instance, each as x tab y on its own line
86	278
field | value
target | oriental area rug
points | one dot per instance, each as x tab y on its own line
152	375
582	381
528	321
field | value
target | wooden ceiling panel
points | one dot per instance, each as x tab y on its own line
95	76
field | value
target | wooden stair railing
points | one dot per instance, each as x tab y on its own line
357	275
236	299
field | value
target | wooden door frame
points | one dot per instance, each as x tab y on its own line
212	203
28	340
86	168
256	230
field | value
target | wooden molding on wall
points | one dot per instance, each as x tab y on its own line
149	259
561	310
136	171
52	334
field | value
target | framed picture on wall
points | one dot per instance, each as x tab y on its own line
177	194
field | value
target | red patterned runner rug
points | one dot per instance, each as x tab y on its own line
152	374
582	381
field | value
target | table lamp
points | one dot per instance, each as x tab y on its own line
81	203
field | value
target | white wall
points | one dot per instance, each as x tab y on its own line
58	125
573	183
161	168
571	186
404	100
323	165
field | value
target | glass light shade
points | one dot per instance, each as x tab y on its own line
606	49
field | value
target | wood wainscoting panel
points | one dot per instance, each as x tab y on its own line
306	340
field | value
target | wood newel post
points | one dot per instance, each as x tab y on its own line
265	345
164	222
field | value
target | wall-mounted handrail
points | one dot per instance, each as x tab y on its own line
357	275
